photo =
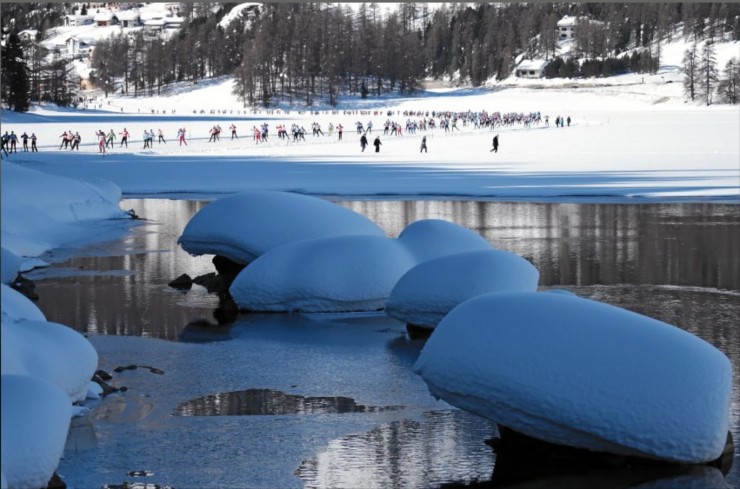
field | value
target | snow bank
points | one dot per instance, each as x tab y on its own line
581	373
49	351
10	264
432	238
42	211
244	226
430	290
35	420
17	307
346	273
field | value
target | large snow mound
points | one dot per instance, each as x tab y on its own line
10	265
244	226
18	307
346	273
431	238
430	290
49	351
581	373
42	211
35	421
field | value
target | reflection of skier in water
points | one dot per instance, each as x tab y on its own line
495	144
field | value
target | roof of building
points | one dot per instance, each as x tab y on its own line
103	16
532	64
128	15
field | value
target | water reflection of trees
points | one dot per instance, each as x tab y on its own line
582	244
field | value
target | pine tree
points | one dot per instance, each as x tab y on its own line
708	74
690	69
729	86
16	87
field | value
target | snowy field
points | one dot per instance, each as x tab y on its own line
627	141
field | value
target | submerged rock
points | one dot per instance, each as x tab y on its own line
575	372
183	282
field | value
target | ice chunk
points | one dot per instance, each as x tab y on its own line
244	226
581	373
430	290
35	421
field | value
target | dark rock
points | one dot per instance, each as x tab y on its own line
103	375
224	266
183	282
107	388
127	367
25	286
210	281
123	388
417	332
56	482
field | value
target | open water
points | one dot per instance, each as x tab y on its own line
326	401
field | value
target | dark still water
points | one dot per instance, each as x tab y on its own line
237	404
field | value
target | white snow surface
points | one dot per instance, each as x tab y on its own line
42	211
244	226
428	239
427	292
49	351
10	264
18	307
581	373
345	273
35	419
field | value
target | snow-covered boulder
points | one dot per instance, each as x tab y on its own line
10	264
432	238
242	227
35	419
48	351
427	292
346	273
17	307
581	373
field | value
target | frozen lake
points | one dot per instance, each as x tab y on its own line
675	262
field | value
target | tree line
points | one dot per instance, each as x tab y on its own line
302	53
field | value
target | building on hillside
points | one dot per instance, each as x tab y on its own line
129	18
153	27
569	25
78	20
171	23
531	68
105	19
78	48
28	35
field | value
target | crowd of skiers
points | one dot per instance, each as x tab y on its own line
416	121
10	142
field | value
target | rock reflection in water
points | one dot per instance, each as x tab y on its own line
444	446
253	402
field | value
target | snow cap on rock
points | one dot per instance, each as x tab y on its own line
581	373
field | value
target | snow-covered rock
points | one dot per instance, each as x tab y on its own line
431	238
10	265
17	307
581	373
49	351
35	419
346	273
242	227
427	292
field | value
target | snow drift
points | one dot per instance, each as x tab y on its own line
17	307
430	290
431	238
244	226
49	351
42	211
10	264
581	373
35	420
